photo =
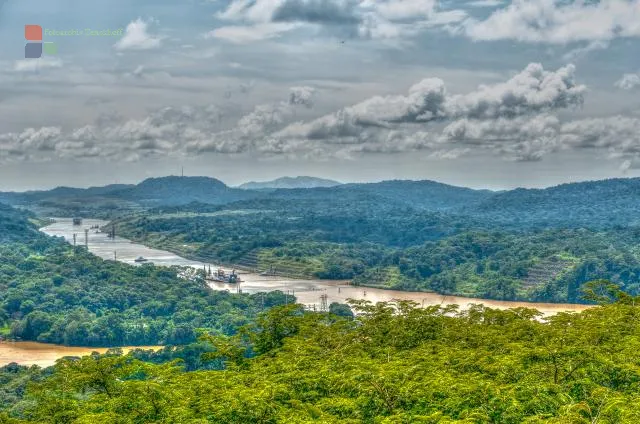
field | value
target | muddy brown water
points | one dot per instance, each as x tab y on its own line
46	354
307	292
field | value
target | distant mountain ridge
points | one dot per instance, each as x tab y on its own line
593	204
601	203
174	190
290	183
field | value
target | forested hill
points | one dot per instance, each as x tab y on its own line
592	204
181	190
595	204
393	363
51	292
14	225
289	182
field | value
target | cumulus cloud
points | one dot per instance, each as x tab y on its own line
330	12
137	37
327	12
262	19
628	81
533	90
252	131
526	138
301	96
558	21
533	137
165	131
514	120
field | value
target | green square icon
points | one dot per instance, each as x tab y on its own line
50	48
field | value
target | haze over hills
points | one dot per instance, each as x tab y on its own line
174	190
589	204
289	183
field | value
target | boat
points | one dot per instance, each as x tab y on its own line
140	259
77	221
222	277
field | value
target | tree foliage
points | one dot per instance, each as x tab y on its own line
394	363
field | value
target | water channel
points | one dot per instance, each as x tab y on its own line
307	292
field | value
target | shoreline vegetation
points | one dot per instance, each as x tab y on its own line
51	292
244	358
537	245
391	363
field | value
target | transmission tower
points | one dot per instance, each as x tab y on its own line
323	303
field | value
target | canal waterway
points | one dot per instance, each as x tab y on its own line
307	292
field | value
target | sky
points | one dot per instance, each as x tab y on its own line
480	93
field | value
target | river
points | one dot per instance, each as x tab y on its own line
46	354
307	292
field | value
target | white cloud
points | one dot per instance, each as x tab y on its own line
580	52
137	37
558	21
533	137
514	119
628	81
166	131
402	9
485	3
256	11
242	34
301	96
533	90
375	19
32	65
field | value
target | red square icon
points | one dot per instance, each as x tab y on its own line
33	32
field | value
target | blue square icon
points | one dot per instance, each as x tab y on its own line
33	50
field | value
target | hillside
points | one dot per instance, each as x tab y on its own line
393	363
51	292
289	182
592	204
521	244
181	190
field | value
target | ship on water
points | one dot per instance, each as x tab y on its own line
77	221
222	277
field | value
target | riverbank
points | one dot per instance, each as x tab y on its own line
46	354
314	294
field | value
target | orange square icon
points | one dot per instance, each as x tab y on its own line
33	32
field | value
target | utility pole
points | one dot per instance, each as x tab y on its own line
74	243
115	256
86	238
